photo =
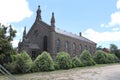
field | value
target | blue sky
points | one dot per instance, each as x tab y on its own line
98	20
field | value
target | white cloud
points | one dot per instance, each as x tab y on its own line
116	29
115	19
13	11
102	36
118	4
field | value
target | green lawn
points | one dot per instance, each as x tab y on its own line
70	74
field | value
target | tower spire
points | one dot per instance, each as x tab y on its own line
24	33
53	20
38	16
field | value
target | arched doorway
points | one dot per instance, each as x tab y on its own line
45	43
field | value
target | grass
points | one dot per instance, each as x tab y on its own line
59	74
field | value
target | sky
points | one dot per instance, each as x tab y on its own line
98	20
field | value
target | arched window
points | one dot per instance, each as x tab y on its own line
90	49
67	46
80	48
74	48
45	43
57	45
86	48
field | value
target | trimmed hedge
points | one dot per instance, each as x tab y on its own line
43	62
63	60
102	57
23	62
87	59
76	62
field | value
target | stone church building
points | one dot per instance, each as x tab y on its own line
44	37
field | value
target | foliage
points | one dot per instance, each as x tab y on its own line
63	60
117	53
23	62
100	57
11	67
114	50
44	62
99	48
76	62
86	58
6	48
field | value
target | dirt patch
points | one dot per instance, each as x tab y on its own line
110	72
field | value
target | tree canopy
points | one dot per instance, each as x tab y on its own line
6	36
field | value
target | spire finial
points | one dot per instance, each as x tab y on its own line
38	6
53	20
38	17
24	33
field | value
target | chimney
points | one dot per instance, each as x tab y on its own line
80	34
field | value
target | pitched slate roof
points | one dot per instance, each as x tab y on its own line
73	35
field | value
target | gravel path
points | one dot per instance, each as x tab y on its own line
109	72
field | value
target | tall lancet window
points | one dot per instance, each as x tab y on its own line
45	43
67	46
57	45
74	48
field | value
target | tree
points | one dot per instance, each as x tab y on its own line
6	36
113	48
99	48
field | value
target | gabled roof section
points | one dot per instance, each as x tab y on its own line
73	35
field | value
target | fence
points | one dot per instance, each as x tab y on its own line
6	73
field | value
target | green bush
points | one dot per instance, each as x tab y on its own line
63	60
86	58
112	58
11	67
76	62
117	53
23	62
116	59
44	62
100	57
56	66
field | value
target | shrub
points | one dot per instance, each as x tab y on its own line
11	67
56	66
86	58
116	59
76	62
100	57
23	62
44	62
117	53
112	58
63	60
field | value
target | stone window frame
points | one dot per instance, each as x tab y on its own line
36	33
80	48
67	46
58	45
74	48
